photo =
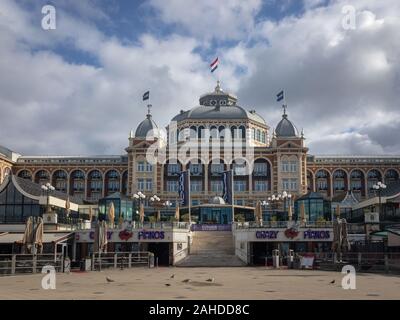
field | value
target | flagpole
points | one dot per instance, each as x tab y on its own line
233	197
189	196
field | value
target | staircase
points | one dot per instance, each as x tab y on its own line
212	249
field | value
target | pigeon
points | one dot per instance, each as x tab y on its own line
186	280
210	280
332	282
172	276
109	279
167	284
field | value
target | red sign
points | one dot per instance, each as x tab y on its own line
291	233
125	235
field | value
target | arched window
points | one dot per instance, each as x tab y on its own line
242	132
42	177
112	182
59	180
201	132
258	135
25	174
77	184
221	131
193	132
391	175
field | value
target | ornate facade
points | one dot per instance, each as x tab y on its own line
279	160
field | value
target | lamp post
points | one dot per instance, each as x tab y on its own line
379	187
48	189
139	197
154	200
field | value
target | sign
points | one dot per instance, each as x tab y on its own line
317	234
267	234
125	235
109	235
291	233
211	227
151	235
307	261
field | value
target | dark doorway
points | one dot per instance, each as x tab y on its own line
262	250
161	251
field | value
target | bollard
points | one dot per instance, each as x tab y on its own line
34	261
130	260
13	263
115	261
386	263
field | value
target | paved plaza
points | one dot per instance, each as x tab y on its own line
226	283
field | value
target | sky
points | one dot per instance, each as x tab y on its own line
77	89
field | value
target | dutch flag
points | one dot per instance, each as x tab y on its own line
214	65
279	96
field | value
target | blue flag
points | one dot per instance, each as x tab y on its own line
146	95
184	188
279	96
227	187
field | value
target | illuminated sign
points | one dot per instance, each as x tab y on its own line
145	235
317	234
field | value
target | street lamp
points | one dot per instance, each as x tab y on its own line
139	197
48	189
379	187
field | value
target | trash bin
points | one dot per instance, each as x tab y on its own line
275	258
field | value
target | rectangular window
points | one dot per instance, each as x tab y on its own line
285	166
140	166
173	169
149	184
172	186
293	166
322	185
260	169
240	186
216	186
285	184
195	186
260	185
141	185
293	184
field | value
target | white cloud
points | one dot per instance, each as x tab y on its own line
224	20
342	86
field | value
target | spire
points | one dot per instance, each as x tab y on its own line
149	111
284	106
218	87
302	133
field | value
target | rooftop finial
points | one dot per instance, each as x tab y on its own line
218	87
284	106
149	110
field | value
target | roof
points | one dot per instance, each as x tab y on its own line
9	154
392	189
147	126
345	199
47	237
311	195
35	190
222	113
286	128
117	195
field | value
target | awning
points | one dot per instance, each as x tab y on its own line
52	237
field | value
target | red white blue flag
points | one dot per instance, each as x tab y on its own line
214	65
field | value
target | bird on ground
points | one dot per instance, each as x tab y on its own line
210	280
173	276
186	280
167	284
109	279
332	282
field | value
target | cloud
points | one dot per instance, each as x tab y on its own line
342	86
208	19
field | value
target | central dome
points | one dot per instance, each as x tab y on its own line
218	105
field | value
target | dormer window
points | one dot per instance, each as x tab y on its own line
222	102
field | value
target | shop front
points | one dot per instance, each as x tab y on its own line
256	245
168	245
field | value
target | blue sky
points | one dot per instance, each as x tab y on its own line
82	82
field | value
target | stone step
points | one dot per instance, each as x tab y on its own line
211	261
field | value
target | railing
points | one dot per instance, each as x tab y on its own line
156	225
121	260
281	224
27	263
